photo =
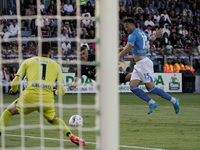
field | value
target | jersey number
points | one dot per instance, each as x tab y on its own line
144	40
146	76
44	67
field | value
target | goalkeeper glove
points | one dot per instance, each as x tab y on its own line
12	93
54	90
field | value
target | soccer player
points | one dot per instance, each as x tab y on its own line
143	70
90	71
40	85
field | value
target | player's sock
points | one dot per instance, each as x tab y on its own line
140	93
65	129
6	115
151	101
173	100
160	92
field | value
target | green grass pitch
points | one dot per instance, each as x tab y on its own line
163	129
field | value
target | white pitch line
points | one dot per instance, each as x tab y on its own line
158	106
54	139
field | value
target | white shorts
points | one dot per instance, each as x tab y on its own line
143	71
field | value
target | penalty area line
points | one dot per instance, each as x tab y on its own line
54	139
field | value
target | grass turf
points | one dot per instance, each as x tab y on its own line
162	129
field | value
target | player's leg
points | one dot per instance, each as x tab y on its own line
135	82
137	91
6	85
56	122
140	74
7	114
128	77
147	74
152	89
124	77
49	114
15	108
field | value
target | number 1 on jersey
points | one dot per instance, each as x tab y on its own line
44	67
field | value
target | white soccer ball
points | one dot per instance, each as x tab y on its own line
76	121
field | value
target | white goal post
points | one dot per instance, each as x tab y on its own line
107	77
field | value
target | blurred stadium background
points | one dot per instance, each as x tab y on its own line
181	39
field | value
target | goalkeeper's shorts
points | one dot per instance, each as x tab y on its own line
30	105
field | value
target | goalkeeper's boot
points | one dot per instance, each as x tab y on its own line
176	105
78	141
152	107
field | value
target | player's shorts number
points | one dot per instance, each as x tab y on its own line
146	76
44	67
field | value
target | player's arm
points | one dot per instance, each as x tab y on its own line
157	34
60	84
120	49
74	83
19	76
125	50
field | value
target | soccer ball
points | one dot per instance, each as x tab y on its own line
76	121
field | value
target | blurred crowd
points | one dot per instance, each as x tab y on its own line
180	20
49	27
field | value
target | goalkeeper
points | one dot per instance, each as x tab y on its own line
90	71
41	73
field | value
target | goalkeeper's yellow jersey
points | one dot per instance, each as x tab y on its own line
41	73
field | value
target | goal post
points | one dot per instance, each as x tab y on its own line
107	77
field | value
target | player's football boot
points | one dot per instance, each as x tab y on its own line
176	105
152	107
78	141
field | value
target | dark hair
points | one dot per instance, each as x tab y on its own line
129	20
4	28
46	47
11	69
83	47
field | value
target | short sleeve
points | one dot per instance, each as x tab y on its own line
19	76
60	84
22	70
132	39
59	76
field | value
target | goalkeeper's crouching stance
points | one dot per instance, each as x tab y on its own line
41	73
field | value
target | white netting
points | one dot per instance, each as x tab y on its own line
60	105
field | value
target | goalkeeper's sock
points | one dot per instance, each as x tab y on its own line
140	93
6	116
65	129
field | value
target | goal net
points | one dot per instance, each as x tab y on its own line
65	24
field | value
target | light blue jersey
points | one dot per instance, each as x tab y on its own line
139	40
